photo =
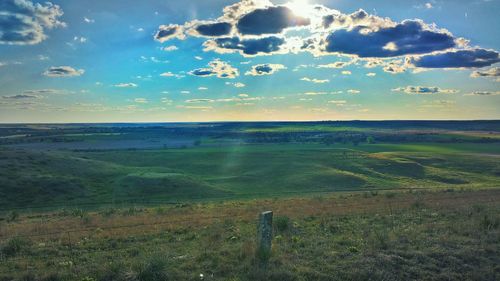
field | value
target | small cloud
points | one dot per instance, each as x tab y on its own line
484	93
346	72
202	88
126	85
202	108
239	85
265	69
63	71
43	58
371	74
316	81
21	97
198	58
421	90
185	92
88	20
338	102
353	92
170	48
80	39
338	64
42	92
166	100
167	32
315	93
217	68
141	100
199	100
170	74
394	67
243	95
492	72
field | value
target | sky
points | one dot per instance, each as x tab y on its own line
250	60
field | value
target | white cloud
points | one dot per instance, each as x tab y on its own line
126	85
170	48
484	93
170	74
338	64
422	90
141	100
80	39
314	80
354	92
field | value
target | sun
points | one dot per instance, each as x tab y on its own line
300	7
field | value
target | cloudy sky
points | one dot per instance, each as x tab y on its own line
165	60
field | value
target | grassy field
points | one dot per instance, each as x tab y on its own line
419	235
31	177
398	200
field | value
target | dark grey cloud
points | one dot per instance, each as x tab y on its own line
271	20
264	45
408	37
265	69
24	23
217	68
214	29
167	32
457	59
63	71
21	97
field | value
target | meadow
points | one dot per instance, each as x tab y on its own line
399	200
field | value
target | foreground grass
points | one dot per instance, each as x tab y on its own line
453	235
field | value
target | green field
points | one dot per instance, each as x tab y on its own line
395	200
244	171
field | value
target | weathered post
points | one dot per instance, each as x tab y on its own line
265	236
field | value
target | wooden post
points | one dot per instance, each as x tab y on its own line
265	236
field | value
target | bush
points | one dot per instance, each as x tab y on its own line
12	216
153	270
15	246
282	223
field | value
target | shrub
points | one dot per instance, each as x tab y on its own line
15	246
155	269
282	223
12	216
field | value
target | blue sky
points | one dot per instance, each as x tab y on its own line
156	61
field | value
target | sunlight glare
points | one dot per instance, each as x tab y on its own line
300	7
